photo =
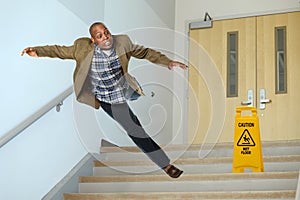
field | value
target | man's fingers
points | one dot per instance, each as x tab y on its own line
24	51
176	64
27	50
183	66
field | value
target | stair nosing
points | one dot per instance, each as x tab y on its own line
179	147
190	195
190	177
192	161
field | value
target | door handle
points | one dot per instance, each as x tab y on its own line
265	100
246	103
262	99
249	102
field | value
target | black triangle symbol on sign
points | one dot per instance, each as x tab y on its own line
246	139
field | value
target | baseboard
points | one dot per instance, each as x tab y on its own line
69	184
298	189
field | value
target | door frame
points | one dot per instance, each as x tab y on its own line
199	24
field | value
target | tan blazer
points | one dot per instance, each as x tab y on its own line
82	51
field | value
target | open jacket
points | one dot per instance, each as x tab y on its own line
83	50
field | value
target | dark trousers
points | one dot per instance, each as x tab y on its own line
128	120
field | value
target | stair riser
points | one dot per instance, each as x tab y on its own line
190	186
190	169
226	152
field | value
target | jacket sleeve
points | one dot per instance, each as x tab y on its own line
56	51
152	55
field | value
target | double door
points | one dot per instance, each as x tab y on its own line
258	62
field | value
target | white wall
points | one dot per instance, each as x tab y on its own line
194	10
28	83
37	159
34	162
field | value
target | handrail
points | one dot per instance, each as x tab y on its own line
35	116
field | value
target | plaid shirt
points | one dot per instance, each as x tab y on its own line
106	74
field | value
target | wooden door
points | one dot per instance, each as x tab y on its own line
278	74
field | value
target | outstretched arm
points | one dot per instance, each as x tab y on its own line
154	56
52	51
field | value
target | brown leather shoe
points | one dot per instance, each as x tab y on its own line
172	171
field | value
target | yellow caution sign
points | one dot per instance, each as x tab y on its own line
247	151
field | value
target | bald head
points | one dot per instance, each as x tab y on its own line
94	25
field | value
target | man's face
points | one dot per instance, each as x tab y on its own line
102	37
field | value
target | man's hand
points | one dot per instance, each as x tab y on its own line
30	51
176	64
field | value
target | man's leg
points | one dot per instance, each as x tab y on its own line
126	118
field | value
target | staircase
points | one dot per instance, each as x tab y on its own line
126	173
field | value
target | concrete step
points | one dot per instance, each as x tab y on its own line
278	148
126	173
242	195
265	181
192	166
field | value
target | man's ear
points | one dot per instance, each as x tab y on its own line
93	41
